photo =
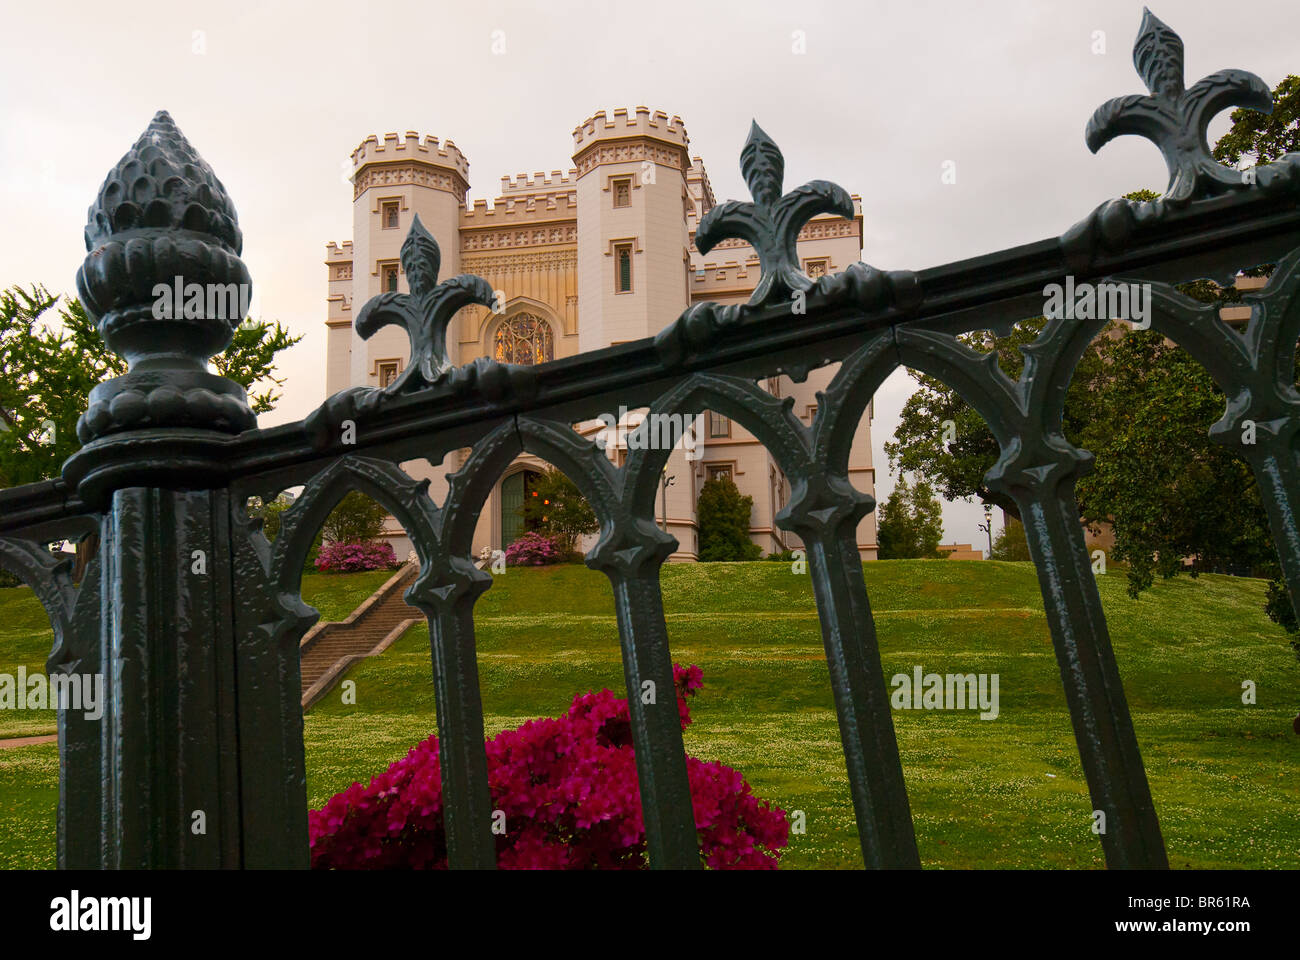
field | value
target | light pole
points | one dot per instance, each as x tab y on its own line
668	481
987	527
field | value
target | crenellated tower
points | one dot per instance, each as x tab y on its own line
577	260
632	233
393	180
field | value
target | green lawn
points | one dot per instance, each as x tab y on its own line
1002	793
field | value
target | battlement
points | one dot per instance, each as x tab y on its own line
334	252
824	226
411	147
697	174
713	270
658	125
534	207
539	182
726	279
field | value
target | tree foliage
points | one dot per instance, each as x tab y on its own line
723	515
1166	489
942	439
1264	137
51	358
555	507
46	374
1010	543
1143	407
910	522
269	512
356	518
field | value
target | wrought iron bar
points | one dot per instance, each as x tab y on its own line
196	617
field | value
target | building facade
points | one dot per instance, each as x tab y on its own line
601	255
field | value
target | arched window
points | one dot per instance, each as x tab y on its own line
524	339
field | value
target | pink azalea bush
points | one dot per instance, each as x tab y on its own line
534	549
355	556
568	789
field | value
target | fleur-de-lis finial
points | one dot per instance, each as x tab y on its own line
771	223
424	312
1173	117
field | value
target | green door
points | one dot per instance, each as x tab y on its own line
512	501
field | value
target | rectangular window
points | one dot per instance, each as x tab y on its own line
722	470
623	192
623	268
816	268
719	426
389	274
387	372
388	214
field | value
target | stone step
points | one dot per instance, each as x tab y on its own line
359	637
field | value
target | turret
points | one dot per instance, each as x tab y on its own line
394	179
632	233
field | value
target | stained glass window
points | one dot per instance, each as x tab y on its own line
524	339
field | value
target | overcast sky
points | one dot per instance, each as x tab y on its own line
275	95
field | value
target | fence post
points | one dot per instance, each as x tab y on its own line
189	780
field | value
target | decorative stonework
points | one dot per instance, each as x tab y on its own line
628	151
558	260
818	230
502	239
397	174
829	229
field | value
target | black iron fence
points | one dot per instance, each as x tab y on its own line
194	617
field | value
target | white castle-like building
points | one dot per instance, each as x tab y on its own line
602	255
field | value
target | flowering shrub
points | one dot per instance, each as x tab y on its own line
568	789
534	549
356	556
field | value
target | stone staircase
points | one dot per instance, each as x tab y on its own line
330	649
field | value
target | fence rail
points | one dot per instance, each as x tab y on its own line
203	697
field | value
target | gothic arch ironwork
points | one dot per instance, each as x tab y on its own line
170	447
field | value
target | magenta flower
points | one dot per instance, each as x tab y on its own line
567	787
532	550
355	556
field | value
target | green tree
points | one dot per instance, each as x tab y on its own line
1010	543
556	507
269	512
1166	489
909	523
47	375
51	359
49	363
723	515
1144	408
1264	137
356	518
942	439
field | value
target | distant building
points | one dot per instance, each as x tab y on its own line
960	551
601	255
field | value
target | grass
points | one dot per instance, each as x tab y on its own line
1002	793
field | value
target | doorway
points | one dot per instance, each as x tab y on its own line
514	489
